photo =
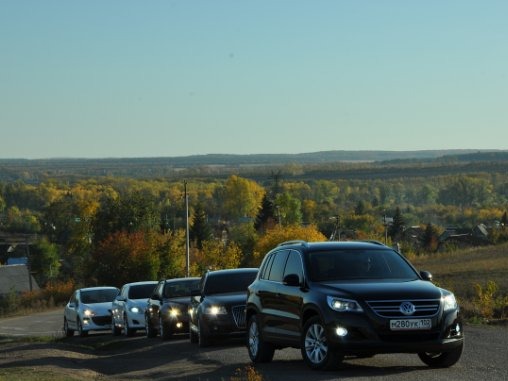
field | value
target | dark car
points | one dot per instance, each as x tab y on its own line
336	299
167	310
218	307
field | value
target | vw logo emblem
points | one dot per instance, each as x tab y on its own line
407	308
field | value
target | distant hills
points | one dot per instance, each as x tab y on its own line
219	165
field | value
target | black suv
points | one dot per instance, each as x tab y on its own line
167	311
218	307
336	299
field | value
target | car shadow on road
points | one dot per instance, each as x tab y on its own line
153	359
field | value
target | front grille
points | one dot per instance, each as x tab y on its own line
239	315
102	320
391	308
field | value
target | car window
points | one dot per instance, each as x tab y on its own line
359	264
294	265
98	296
180	288
278	266
265	268
141	291
222	283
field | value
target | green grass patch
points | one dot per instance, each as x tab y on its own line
34	374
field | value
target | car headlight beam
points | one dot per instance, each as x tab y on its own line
343	305
216	310
449	302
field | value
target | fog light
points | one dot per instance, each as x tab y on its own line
341	331
179	325
457	329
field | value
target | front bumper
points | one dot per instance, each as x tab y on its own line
96	323
368	335
222	325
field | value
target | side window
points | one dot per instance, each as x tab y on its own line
265	269
294	265
279	261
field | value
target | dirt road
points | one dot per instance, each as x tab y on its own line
104	357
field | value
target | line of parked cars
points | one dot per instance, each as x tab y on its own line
329	299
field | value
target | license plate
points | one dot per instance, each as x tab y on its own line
410	324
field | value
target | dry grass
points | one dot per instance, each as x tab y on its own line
468	272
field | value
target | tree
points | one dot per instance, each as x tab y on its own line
125	257
265	218
429	240
200	230
215	256
242	197
397	228
289	209
44	261
280	234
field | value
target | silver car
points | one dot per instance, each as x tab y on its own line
128	308
89	309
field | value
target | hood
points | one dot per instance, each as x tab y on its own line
384	290
227	299
184	301
100	309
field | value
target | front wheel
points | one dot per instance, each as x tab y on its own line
127	331
315	349
203	338
150	331
164	328
68	332
259	351
442	359
81	331
115	331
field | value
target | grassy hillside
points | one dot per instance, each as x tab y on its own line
460	271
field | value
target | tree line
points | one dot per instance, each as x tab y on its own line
114	230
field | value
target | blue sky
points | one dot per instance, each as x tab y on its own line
176	78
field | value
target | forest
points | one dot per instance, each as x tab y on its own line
82	223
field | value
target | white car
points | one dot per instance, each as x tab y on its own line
89	309
128	308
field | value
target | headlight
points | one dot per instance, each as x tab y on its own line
216	310
174	312
343	305
449	302
135	310
88	313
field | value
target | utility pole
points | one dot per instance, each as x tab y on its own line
187	228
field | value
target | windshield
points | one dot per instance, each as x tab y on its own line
98	296
222	283
180	288
142	291
359	264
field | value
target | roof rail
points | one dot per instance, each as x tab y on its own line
293	242
374	242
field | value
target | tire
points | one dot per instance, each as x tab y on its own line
150	331
443	359
81	331
165	329
314	347
203	338
115	331
127	331
259	350
68	332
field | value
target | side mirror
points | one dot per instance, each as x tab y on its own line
292	280
426	275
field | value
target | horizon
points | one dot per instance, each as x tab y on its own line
107	79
